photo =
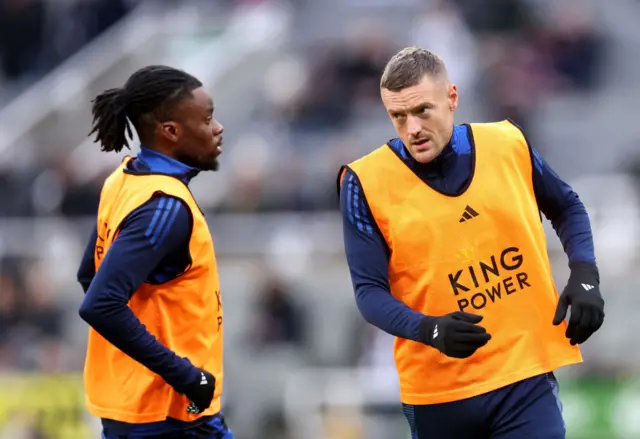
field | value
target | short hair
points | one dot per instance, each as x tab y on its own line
407	68
149	96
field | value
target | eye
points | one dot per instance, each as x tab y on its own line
209	119
397	116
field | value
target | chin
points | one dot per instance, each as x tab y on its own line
425	157
210	165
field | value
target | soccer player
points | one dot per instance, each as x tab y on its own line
154	357
447	252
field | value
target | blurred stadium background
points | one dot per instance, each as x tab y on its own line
296	86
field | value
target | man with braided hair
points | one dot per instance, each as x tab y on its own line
154	357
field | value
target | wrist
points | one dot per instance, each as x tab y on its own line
583	269
425	330
186	375
583	266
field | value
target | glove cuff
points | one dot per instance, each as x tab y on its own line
425	330
585	268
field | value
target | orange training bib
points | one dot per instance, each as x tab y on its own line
482	252
184	314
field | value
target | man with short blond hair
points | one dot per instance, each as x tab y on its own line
446	249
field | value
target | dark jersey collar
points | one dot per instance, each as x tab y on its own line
150	161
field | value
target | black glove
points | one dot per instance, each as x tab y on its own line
456	335
582	293
200	392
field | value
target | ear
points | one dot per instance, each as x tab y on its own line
171	131
453	97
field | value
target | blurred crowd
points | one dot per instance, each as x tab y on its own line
38	35
29	316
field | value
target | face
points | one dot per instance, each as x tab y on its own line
423	116
195	133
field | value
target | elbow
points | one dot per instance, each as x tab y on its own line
100	311
570	214
89	313
86	312
573	205
373	320
366	315
366	308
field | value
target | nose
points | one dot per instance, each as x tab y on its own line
217	128
413	126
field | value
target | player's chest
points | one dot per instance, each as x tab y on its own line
428	221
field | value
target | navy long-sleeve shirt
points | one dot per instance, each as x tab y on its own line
367	252
152	246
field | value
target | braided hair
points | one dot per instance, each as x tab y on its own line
149	96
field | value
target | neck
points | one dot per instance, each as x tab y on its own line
158	159
161	149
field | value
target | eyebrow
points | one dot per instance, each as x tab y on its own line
412	109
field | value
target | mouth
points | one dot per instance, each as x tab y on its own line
422	145
219	144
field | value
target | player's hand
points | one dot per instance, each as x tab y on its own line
456	335
200	393
582	293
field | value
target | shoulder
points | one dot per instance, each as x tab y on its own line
505	127
374	162
502	136
161	204
348	182
379	157
393	146
164	217
353	201
145	183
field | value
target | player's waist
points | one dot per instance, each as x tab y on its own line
429	376
167	427
413	391
519	390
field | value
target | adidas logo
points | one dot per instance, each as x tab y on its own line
203	380
588	287
435	332
468	214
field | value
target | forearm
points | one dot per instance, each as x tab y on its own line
379	308
116	322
